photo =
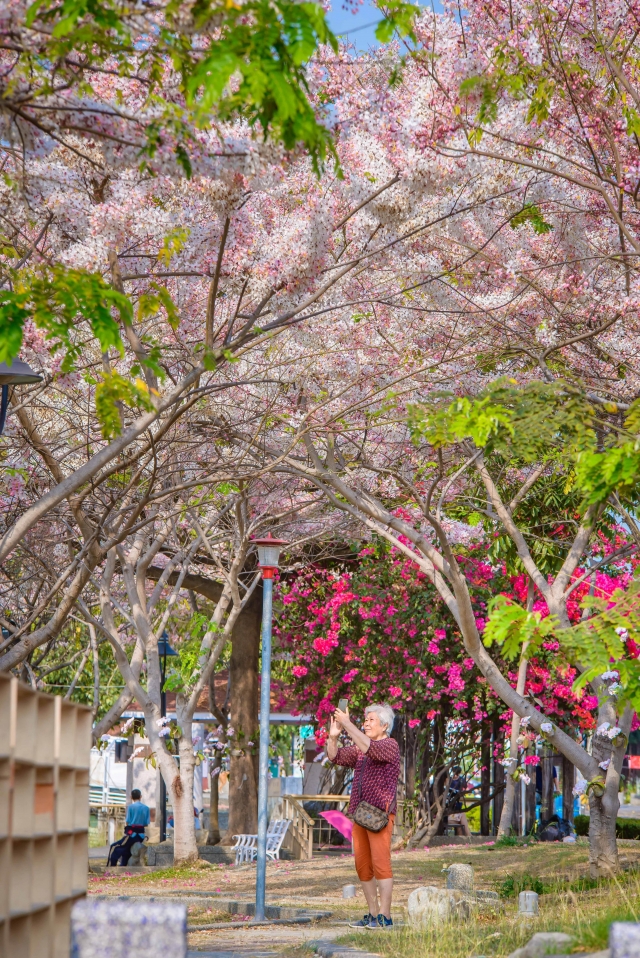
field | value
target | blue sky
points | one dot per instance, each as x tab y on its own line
359	28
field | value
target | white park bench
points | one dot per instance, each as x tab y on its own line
246	846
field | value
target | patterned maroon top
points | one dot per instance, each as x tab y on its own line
381	773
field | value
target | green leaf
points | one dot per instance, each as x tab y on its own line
509	626
531	214
57	300
113	390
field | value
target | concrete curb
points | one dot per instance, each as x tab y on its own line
329	949
251	924
274	913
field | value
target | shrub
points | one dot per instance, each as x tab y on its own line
507	841
625	827
511	885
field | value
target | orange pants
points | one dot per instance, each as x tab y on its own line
372	851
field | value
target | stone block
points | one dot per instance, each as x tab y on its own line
528	903
548	943
486	902
489	896
128	929
624	939
460	877
431	906
138	854
544	943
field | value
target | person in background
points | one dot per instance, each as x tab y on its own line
138	817
457	788
375	759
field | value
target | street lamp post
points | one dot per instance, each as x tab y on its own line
164	649
15	373
268	559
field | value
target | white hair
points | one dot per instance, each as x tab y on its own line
384	713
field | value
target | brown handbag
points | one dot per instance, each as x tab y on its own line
369	816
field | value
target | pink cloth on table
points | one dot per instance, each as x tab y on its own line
340	822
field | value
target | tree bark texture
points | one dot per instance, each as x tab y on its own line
485	785
498	776
243	766
179	781
512	789
603	848
568	781
547	765
215	763
530	804
213	835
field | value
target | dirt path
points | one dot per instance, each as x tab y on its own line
318	885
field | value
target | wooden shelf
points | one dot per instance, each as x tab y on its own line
44	818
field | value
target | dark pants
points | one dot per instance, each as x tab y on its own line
121	851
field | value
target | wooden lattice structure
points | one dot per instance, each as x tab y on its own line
44	819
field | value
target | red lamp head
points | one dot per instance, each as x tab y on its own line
269	550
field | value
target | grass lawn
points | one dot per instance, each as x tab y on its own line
569	900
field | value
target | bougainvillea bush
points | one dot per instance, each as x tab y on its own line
378	631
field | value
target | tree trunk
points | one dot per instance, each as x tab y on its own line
603	848
512	789
530	805
568	781
498	776
411	746
243	765
185	848
485	785
220	713
603	810
213	835
546	763
178	780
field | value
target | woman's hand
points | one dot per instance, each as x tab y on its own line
341	718
337	723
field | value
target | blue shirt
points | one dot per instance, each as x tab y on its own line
138	814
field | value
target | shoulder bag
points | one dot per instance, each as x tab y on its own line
369	816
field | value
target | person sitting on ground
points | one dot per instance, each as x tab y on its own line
138	817
375	759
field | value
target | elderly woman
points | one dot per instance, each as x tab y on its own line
375	759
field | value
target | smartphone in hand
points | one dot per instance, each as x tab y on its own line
343	705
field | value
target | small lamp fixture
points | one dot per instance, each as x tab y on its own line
164	649
15	373
269	550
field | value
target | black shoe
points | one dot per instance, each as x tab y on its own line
385	922
368	921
